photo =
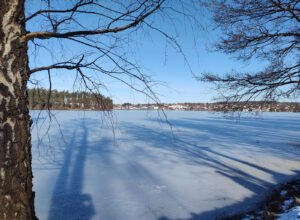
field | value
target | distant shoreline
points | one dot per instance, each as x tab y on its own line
253	106
157	110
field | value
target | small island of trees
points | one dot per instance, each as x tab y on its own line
65	100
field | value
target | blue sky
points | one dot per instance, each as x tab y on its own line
148	49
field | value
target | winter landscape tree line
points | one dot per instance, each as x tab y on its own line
43	99
253	106
267	30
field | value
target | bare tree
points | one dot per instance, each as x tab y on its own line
101	28
268	30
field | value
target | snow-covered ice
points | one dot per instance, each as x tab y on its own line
206	166
293	213
287	204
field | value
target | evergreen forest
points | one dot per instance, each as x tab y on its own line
65	100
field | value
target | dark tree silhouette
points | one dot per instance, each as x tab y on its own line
268	30
102	29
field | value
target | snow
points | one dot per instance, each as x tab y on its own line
287	204
283	192
293	213
205	166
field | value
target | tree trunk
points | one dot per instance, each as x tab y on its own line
16	195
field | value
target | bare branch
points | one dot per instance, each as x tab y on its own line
47	35
267	30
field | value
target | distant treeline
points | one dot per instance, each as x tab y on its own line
40	99
268	106
255	106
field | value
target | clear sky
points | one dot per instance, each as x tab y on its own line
149	50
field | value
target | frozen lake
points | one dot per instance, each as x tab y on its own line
206	166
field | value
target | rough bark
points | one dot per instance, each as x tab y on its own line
16	195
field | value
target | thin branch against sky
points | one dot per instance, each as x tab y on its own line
150	51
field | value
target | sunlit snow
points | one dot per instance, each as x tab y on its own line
204	166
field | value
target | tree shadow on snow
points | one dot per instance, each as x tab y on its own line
193	150
68	201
